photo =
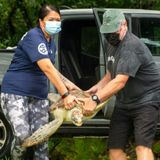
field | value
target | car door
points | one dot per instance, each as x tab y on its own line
6	136
147	27
78	58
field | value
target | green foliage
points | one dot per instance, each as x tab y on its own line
90	149
156	148
78	148
6	158
17	16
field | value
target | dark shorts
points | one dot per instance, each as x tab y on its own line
140	122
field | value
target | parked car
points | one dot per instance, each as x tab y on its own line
82	59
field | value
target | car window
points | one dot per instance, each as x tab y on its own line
99	19
90	41
148	30
79	51
5	60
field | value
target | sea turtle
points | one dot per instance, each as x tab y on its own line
60	114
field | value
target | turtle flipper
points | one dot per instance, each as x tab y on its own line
43	133
53	97
101	105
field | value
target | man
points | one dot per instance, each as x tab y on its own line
135	80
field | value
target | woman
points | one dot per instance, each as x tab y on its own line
24	87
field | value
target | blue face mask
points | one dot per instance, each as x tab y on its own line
53	27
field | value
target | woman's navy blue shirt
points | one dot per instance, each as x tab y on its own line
24	77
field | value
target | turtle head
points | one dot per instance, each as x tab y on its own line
77	117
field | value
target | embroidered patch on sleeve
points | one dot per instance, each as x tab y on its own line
42	49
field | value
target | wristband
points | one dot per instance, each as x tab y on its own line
65	95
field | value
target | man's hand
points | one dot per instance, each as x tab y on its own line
88	105
70	101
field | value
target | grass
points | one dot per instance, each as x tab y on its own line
88	149
78	148
6	158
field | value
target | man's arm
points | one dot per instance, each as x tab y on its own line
112	87
104	80
104	93
100	84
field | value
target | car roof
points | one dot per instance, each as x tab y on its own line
90	11
76	11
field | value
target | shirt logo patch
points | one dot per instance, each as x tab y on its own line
111	58
42	49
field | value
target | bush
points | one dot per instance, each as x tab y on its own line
78	148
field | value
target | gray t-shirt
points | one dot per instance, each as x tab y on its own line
133	58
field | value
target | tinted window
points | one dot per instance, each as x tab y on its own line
79	51
89	48
148	29
90	41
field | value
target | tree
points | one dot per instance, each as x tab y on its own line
19	16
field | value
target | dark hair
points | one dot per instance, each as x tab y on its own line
45	9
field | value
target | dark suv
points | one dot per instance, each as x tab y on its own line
82	59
